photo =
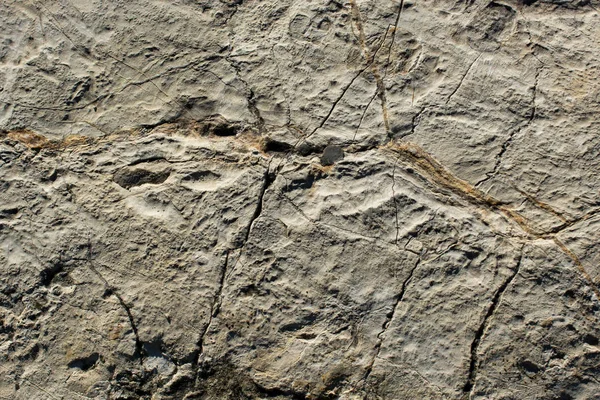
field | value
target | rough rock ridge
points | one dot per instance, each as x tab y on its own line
326	199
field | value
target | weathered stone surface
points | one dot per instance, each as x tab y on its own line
299	200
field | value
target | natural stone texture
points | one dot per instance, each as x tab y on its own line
299	200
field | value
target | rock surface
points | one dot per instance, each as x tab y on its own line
355	199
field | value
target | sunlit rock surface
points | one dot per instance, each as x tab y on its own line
299	200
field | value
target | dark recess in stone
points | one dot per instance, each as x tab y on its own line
48	274
277	146
530	366
200	176
129	178
305	149
224	130
303	184
9	212
590	339
84	363
305	321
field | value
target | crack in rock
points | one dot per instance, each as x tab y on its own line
109	289
268	179
214	308
389	318
146	132
495	303
508	142
462	79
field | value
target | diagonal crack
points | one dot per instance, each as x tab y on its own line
389	318
250	95
378	87
139	349
318	223
542	205
370	59
235	10
251	98
578	264
499	157
169	71
463	79
85	53
393	38
335	103
569	223
508	141
392	313
496	300
214	308
268	179
439	175
381	81
416	120
362	117
534	95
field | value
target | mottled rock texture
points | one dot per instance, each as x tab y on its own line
320	199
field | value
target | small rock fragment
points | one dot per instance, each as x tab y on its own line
331	155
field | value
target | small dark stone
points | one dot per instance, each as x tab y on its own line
331	155
305	149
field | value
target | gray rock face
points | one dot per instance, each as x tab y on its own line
299	200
